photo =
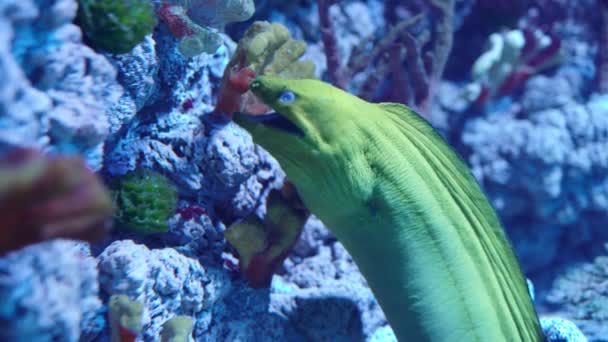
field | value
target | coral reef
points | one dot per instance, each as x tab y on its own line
560	142
537	150
323	293
57	92
218	165
42	198
537	146
138	70
49	292
144	202
415	69
115	26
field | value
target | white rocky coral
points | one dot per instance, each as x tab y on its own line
167	282
49	291
56	92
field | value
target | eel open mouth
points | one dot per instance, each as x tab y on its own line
274	120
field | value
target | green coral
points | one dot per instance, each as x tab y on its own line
177	329
270	50
144	201
124	314
116	26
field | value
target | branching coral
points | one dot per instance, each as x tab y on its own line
145	200
512	58
177	329
414	62
264	244
43	198
116	26
197	22
125	318
265	49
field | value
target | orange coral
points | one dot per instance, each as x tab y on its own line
44	197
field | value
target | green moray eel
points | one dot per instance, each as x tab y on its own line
404	205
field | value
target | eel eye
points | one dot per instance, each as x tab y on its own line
287	97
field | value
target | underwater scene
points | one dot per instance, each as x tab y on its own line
312	170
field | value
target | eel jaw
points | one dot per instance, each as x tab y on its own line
273	120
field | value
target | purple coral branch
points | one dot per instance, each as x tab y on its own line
443	10
416	69
373	80
444	35
545	54
423	70
360	60
602	62
401	90
336	73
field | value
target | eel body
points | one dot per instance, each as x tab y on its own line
405	206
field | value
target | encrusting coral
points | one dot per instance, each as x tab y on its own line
145	200
196	23
116	26
46	197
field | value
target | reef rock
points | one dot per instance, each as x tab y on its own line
581	294
49	292
324	295
542	168
169	95
56	92
167	282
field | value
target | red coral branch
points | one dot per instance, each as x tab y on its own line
175	22
232	90
545	54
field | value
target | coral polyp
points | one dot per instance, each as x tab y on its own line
116	26
144	200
